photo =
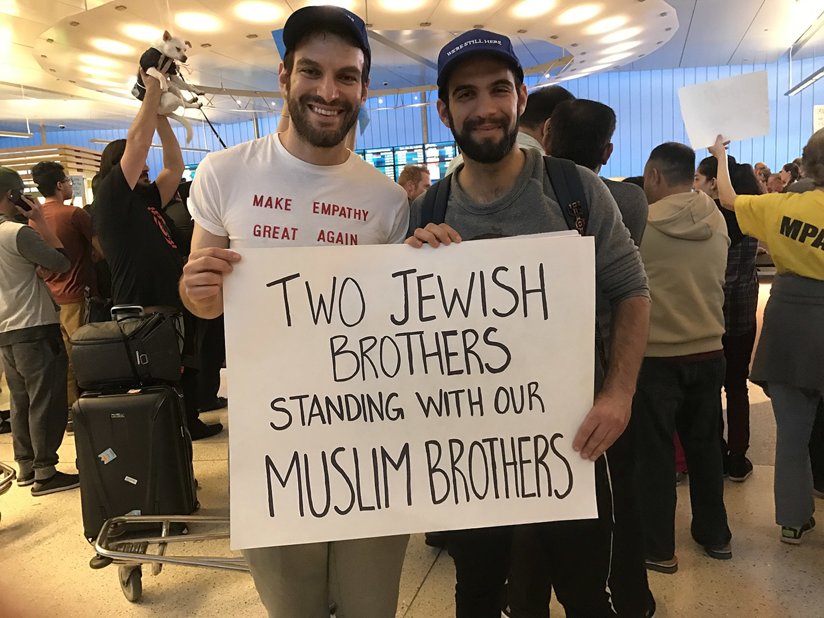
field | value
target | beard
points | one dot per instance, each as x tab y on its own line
320	137
487	150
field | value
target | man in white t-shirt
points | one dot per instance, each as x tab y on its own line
303	187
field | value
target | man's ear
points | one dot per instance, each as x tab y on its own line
522	96
656	177
166	35
365	92
545	134
606	153
443	113
283	79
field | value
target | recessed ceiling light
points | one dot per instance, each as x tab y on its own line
471	6
99	61
401	6
197	22
607	25
533	8
258	12
113	47
141	32
102	82
97	71
595	67
615	58
621	47
579	14
621	35
346	4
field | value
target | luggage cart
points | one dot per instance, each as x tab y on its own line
130	549
7	476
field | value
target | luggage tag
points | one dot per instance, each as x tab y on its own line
107	456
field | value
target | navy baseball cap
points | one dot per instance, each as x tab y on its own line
476	42
315	18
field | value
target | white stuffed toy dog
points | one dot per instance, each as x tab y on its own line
160	61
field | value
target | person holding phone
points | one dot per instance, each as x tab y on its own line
31	346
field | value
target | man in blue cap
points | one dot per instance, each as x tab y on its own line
503	190
267	193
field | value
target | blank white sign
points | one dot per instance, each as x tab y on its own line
736	107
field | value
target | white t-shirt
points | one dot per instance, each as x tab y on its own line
259	195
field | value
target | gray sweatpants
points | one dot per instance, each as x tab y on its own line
794	410
36	375
361	577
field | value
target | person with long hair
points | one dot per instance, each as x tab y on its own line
787	360
740	303
789	174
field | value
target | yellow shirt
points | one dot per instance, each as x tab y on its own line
792	224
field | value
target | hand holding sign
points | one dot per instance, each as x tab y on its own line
602	426
719	148
202	281
433	234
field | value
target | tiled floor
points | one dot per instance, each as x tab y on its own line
44	559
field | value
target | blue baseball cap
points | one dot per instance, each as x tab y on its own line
316	18
476	42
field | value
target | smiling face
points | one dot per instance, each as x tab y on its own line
483	110
324	89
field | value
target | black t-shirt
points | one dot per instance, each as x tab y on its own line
733	229
137	240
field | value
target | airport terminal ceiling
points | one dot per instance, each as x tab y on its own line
73	61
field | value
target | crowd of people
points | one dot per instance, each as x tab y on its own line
676	297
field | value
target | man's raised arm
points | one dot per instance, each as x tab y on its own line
169	178
141	133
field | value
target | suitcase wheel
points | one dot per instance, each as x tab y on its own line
131	582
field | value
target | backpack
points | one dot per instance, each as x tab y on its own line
569	190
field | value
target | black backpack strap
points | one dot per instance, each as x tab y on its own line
435	199
566	182
569	190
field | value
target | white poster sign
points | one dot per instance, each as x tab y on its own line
818	117
735	107
379	390
78	185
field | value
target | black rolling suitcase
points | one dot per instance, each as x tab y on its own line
134	455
